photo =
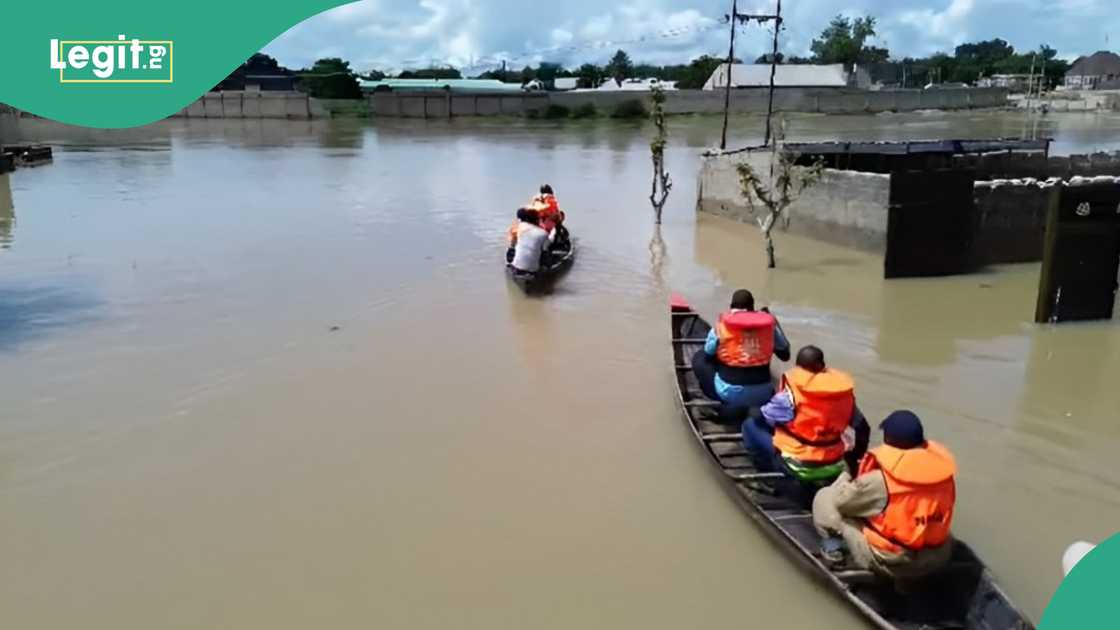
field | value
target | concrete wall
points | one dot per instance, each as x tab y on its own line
434	104
851	208
820	100
844	207
254	105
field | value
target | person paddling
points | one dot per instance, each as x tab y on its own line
734	365
895	517
801	430
530	242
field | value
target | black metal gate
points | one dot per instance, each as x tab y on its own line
931	224
1081	255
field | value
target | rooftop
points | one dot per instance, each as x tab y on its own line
1100	63
785	75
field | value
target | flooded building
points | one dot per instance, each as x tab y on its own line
930	208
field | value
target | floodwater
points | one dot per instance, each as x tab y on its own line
270	375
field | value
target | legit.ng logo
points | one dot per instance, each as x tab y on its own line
113	60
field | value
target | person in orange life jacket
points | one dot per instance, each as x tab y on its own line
894	518
734	365
801	430
551	216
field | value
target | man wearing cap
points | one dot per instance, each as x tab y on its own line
894	518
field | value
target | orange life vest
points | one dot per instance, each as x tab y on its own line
746	338
920	497
823	404
549	210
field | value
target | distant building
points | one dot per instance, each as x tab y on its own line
260	73
757	75
565	83
455	85
1013	82
1099	70
632	85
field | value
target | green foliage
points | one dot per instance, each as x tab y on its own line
331	78
431	73
697	72
587	110
971	61
632	108
620	67
554	111
842	41
590	76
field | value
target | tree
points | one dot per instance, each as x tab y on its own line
431	73
784	185
620	67
697	72
331	77
662	183
590	76
842	41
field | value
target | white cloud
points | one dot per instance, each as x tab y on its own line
392	34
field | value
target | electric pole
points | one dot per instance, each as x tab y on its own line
727	76
773	70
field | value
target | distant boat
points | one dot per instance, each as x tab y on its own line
1074	554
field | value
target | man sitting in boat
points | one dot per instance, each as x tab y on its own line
734	366
551	216
529	243
894	518
802	429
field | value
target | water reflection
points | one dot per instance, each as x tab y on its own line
7	211
30	311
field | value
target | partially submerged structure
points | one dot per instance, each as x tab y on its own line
946	207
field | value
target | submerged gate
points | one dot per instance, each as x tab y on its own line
1081	254
931	224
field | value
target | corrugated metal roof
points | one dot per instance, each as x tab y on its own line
1100	63
476	85
785	75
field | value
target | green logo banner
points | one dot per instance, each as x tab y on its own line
127	63
1086	598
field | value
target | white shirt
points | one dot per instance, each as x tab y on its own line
531	241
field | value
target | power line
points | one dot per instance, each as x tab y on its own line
494	61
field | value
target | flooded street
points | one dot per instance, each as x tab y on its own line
271	375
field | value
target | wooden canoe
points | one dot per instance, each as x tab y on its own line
531	282
963	595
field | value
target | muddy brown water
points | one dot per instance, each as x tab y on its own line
186	442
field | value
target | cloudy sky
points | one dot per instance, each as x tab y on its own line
477	34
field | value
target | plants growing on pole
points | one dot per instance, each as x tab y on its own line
662	183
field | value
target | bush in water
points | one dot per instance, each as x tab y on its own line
587	110
555	111
632	108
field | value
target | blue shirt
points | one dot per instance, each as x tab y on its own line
753	395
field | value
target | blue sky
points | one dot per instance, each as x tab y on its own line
476	34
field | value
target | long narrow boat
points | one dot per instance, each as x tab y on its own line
963	595
531	282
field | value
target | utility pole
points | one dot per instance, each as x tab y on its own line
773	71
734	19
727	76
